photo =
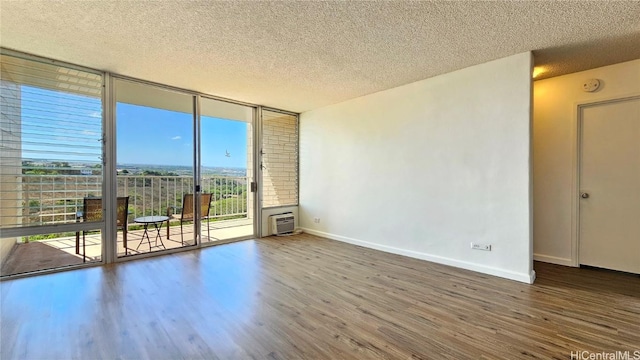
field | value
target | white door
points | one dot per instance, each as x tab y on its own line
610	185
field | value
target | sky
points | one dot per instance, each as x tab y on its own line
162	137
67	127
59	126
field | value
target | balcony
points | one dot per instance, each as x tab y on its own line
54	144
57	199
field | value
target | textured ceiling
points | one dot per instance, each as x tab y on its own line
303	55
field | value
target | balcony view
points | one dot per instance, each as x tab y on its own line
53	170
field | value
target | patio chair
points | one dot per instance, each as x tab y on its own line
186	212
92	211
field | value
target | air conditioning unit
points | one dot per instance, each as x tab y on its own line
282	224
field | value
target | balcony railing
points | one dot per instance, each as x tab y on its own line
151	195
55	199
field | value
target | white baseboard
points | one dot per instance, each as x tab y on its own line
521	277
553	259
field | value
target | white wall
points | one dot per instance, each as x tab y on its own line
554	142
426	168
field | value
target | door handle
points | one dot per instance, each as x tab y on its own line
584	195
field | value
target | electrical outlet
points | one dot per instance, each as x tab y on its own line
316	220
483	247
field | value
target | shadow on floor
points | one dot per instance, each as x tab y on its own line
36	256
61	251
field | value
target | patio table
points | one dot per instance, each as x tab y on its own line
156	221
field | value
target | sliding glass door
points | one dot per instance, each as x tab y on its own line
155	168
226	137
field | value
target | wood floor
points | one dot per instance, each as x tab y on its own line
305	297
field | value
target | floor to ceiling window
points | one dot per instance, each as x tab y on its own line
95	167
51	167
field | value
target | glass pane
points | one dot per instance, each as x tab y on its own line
50	159
227	168
50	251
155	167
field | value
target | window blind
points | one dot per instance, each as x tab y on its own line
50	141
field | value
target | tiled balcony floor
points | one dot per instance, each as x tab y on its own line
60	252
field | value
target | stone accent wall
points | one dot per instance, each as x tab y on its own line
279	159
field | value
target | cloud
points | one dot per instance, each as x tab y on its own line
176	138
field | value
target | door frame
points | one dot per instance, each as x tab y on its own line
111	149
577	160
111	248
255	139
